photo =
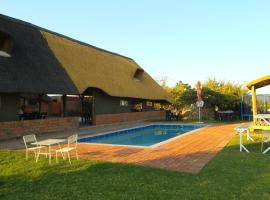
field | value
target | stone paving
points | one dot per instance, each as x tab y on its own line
189	153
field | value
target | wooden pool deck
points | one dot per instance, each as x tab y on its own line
189	153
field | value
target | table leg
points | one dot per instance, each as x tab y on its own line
245	148
60	151
266	150
248	136
241	142
50	155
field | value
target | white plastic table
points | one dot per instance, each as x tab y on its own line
49	143
242	129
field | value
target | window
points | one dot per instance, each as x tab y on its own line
6	44
149	103
138	74
157	106
123	103
138	107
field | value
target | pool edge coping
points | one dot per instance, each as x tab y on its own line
137	146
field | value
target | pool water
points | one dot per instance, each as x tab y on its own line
141	136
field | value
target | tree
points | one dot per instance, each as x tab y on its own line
224	95
225	87
188	97
183	95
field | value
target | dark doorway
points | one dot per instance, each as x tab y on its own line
87	111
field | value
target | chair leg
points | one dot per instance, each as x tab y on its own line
50	155
35	153
56	158
262	146
26	154
77	154
37	156
60	151
69	158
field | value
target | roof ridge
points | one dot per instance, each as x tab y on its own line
14	20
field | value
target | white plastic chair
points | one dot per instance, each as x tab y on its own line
72	145
28	140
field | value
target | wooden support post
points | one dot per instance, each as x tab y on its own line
93	114
81	99
82	109
64	99
254	103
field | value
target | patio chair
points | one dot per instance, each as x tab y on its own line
72	146
265	138
28	140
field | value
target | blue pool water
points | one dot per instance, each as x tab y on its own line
141	136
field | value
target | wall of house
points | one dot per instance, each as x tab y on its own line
128	117
73	107
9	107
147	107
105	104
45	107
16	129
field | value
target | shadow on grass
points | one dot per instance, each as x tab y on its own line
230	175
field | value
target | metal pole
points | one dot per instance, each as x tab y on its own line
242	107
199	114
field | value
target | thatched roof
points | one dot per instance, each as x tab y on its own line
260	82
54	60
32	67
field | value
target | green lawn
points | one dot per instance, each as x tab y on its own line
230	175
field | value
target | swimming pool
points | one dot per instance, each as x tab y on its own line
141	136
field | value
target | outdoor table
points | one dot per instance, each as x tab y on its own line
241	129
225	115
49	143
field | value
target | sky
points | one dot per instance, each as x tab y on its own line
173	39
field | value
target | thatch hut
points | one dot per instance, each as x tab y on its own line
35	63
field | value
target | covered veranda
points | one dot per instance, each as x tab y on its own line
260	121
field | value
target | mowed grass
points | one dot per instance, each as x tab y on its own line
230	175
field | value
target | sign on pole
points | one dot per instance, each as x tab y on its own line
199	102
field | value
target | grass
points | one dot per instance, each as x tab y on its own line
230	175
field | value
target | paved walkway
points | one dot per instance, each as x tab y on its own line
189	153
88	130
